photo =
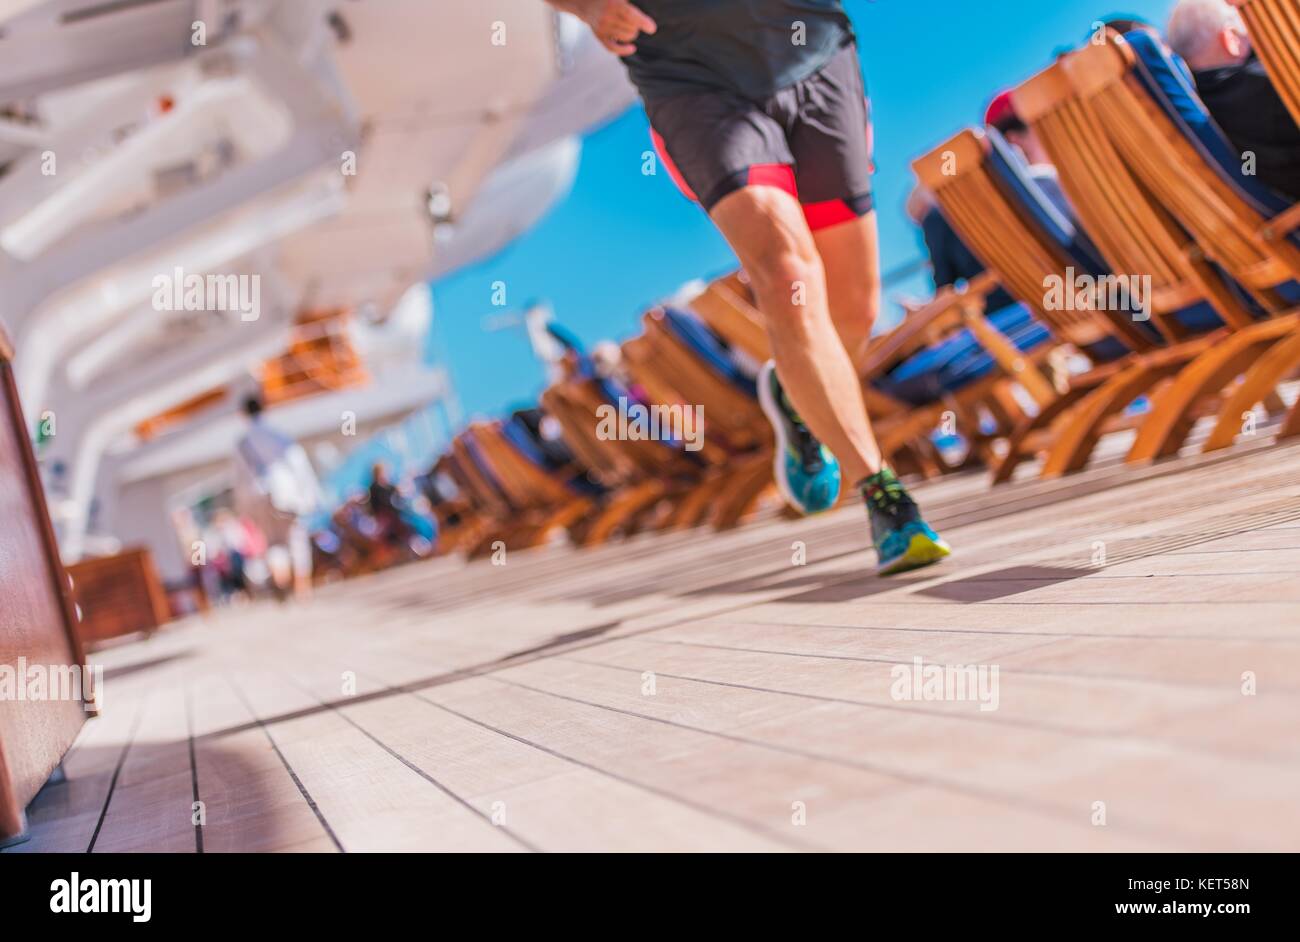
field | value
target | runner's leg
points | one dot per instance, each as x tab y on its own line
850	254
769	233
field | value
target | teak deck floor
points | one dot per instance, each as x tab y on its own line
697	691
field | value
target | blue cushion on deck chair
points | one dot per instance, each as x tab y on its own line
521	438
955	363
701	339
1024	191
612	391
1057	228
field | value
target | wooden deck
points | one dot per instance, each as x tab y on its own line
701	692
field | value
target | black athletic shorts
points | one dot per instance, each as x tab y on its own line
812	139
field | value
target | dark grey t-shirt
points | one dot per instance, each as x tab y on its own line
753	47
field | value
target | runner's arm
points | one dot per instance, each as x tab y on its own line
616	23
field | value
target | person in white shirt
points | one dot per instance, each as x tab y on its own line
276	487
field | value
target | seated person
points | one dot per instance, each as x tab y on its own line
386	507
950	259
951	262
1211	37
1002	115
1126	24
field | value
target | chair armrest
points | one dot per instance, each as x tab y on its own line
1282	225
1017	365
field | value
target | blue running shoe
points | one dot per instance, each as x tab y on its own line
806	472
903	540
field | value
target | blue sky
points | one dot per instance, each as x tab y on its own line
622	240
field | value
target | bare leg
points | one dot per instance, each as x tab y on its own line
850	253
767	230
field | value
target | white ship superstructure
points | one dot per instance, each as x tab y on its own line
201	197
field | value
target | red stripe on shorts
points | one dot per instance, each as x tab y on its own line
827	214
780	176
662	150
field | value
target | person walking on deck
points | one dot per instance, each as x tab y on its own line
277	488
759	112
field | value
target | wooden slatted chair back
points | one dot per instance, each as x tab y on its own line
1274	27
579	404
727	408
727	307
1227	226
529	485
579	430
1135	235
483	490
1000	234
37	617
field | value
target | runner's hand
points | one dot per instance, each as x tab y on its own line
616	23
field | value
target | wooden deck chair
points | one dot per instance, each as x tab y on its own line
951	364
1160	128
1137	238
680	361
359	551
1274	27
542	501
727	307
495	516
457	522
1148	110
640	476
985	192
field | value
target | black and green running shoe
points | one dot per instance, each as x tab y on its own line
903	540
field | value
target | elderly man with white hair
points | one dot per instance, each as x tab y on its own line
1211	36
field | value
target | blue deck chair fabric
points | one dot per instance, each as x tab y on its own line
699	338
521	438
612	391
960	360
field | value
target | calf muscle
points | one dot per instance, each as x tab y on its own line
767	230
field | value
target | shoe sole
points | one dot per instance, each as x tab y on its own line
777	420
921	551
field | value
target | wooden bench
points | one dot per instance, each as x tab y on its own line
37	619
118	595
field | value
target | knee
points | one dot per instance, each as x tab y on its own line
787	275
858	306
